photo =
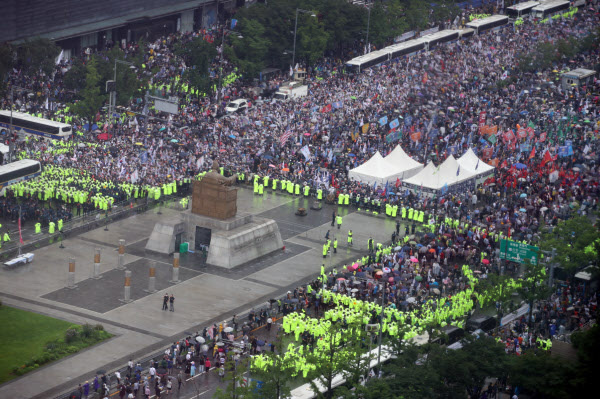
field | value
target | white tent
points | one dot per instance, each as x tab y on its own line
403	163
433	180
376	169
471	162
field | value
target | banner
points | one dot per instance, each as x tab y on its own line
521	133
416	136
393	136
509	135
383	121
525	147
306	152
487	153
482	115
394	124
365	128
492	139
494	162
542	137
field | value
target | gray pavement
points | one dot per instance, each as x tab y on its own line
205	295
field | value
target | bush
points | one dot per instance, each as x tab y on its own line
99	327
87	331
71	335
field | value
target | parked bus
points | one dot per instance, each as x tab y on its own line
465	33
34	126
490	23
359	64
15	172
549	8
404	49
443	36
521	10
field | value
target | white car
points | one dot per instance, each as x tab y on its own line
238	105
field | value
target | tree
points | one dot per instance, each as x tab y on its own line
276	375
417	15
198	55
311	41
329	358
534	286
587	344
127	83
546	375
570	238
6	63
37	55
236	387
249	52
91	98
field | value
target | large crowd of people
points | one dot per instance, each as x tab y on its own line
442	94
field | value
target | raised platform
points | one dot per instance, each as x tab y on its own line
231	242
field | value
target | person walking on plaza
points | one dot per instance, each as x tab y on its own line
333	219
339	221
165	301
172	303
350	238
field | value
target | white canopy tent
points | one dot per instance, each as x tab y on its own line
471	162
447	176
375	170
403	163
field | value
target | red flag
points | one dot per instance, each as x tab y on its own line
398	182
547	158
532	154
542	137
326	108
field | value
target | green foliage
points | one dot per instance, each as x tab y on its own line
541	373
29	340
311	41
276	375
37	55
250	51
6	63
570	238
197	55
417	15
91	98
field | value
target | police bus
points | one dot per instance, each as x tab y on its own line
15	172
443	36
405	49
34	126
521	10
549	8
493	22
359	64
465	33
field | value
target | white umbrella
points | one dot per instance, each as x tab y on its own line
200	340
436	291
220	344
228	329
354	290
411	300
204	348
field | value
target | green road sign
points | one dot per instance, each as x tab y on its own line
517	252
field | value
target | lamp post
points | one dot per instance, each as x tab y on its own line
11	128
368	26
113	95
312	14
221	57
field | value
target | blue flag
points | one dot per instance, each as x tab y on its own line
458	170
444	189
394	124
233	23
383	121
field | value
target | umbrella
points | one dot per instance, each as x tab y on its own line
411	300
436	291
341	279
576	169
354	290
285	169
139	144
361	274
486	262
404	289
522	210
200	340
228	329
523	195
520	166
413	259
174	141
386	270
351	155
391	279
543	209
379	273
204	348
220	343
161	129
271	165
412	242
398	248
419	278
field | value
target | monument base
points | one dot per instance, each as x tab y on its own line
231	242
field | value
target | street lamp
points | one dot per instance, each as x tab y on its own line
113	95
312	14
11	128
239	36
368	26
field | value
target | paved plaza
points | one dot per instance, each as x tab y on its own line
205	294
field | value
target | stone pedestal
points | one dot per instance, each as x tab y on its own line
213	199
121	259
96	272
71	275
127	288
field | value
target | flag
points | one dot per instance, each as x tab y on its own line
476	166
385	190
444	189
458	170
394	124
365	128
398	182
60	57
134	176
326	108
383	121
374	186
306	152
284	137
532	154
291	71
233	23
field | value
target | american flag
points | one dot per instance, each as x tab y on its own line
284	137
